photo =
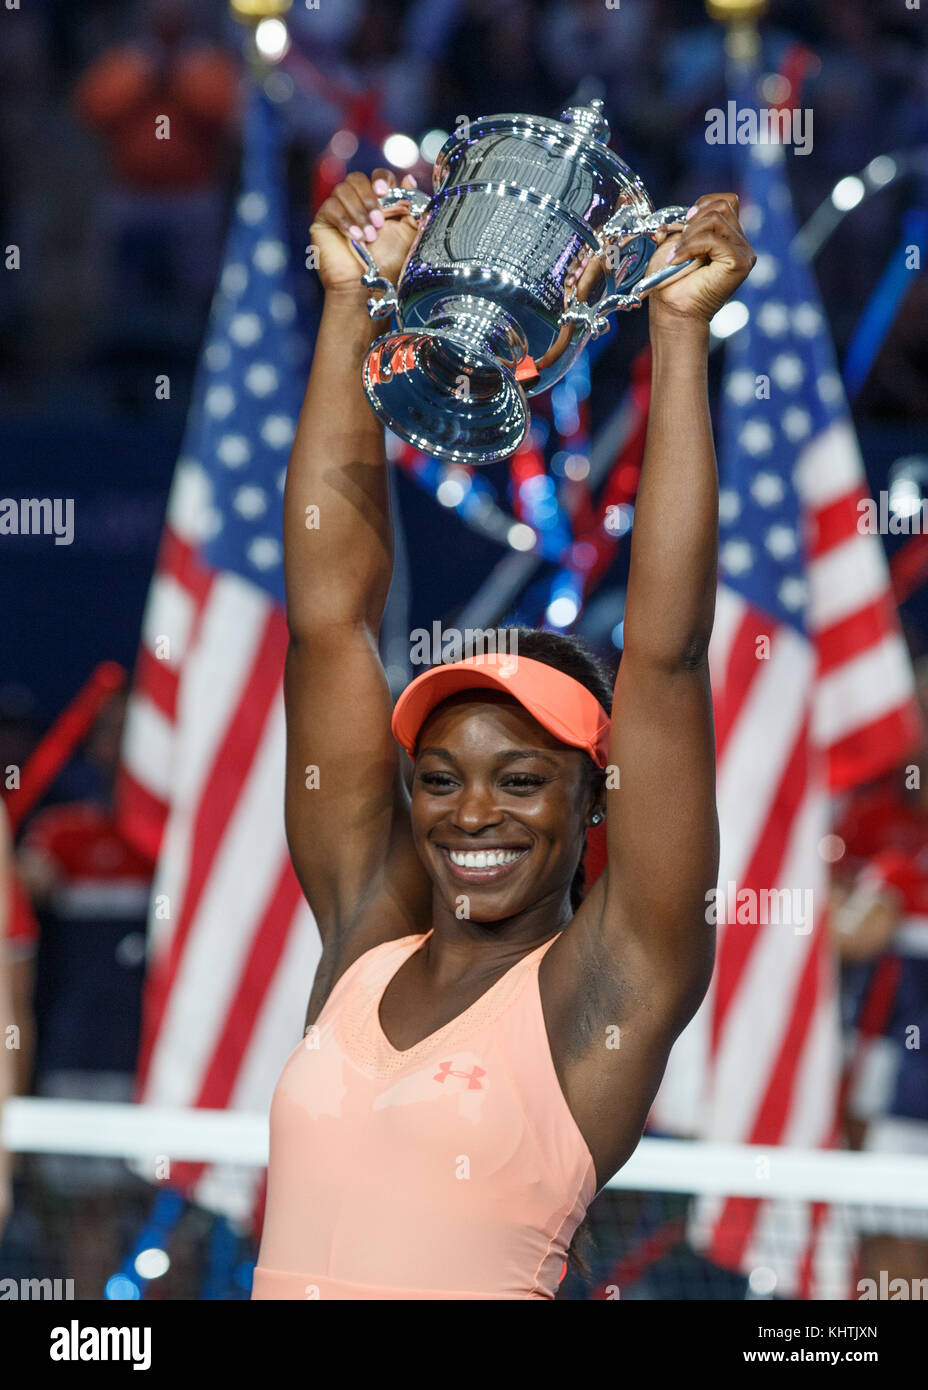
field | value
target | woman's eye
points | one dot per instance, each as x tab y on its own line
436	779
523	779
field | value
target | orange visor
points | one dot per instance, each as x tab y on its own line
564	706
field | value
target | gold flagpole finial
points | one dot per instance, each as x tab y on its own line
740	17
253	11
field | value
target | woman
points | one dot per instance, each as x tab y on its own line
482	1045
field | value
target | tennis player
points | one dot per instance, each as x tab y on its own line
483	1040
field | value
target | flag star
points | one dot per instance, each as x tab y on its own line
277	431
792	593
283	309
778	197
252	207
781	542
806	319
233	450
752	218
219	401
736	557
233	280
767	489
245	329
740	386
797	423
756	437
765	271
261	379
209	523
264	552
217	356
766	152
250	501
787	371
830	387
729	505
773	318
269	256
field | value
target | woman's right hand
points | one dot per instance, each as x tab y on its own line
351	207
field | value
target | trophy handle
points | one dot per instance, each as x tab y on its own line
626	226
382	308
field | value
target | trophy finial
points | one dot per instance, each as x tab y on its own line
589	118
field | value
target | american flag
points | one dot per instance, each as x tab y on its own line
232	944
813	693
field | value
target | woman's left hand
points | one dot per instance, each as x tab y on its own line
713	232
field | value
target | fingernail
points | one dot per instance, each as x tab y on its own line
692	212
355	232
673	255
377	217
381	187
412	179
369	233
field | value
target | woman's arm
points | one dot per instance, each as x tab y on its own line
343	790
662	827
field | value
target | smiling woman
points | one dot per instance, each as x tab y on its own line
484	1040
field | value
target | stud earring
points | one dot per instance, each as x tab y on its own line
597	817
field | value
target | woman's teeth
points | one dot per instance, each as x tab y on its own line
484	858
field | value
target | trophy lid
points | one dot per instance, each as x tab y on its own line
483	150
589	119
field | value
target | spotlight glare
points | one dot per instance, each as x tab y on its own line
152	1263
344	144
272	40
400	151
431	143
520	536
562	611
883	169
847	193
729	319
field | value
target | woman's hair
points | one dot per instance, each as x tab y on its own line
572	656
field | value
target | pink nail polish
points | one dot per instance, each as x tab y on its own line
381	187
412	177
369	233
355	232
692	212
377	217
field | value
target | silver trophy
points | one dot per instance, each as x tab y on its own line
484	315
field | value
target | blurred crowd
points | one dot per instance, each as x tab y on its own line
121	236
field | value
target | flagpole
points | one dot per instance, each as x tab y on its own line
740	18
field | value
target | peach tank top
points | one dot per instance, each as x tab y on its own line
452	1170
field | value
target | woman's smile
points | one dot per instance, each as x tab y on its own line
483	864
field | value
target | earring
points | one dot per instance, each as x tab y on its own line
597	817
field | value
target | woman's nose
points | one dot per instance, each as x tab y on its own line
474	808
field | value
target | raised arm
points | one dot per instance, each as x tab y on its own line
662	827
345	819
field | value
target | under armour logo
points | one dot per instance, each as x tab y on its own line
472	1077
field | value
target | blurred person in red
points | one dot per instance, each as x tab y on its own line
164	107
90	889
880	928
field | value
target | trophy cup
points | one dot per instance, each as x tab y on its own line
483	312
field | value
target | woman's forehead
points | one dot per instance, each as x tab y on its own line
484	717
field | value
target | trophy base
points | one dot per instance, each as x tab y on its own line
446	396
